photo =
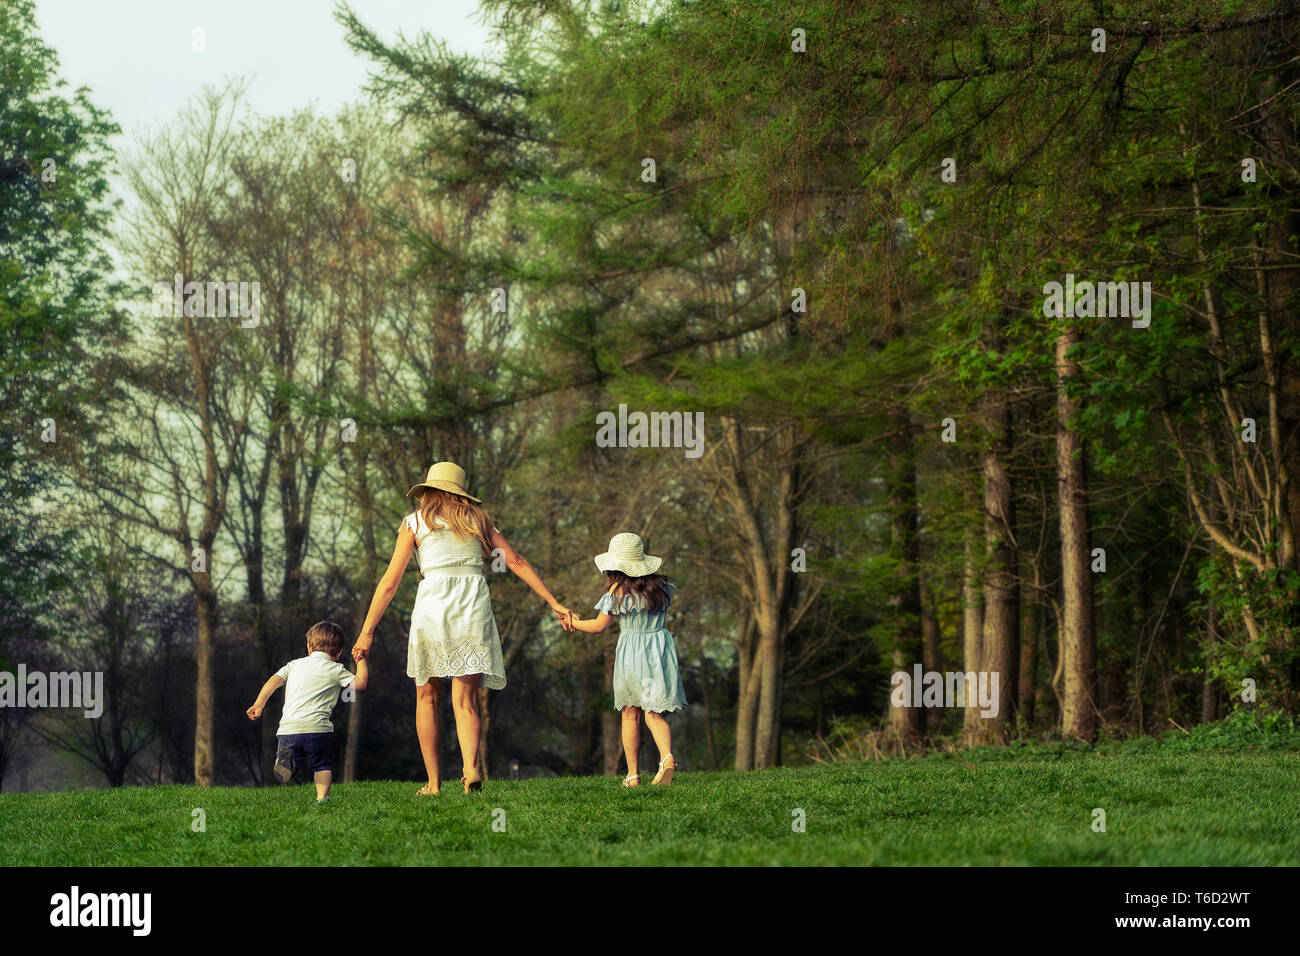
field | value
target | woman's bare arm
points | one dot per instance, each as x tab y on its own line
516	563
384	591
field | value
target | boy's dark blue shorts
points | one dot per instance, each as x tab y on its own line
313	750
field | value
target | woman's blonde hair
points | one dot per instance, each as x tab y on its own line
458	514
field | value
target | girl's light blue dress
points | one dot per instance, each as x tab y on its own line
645	660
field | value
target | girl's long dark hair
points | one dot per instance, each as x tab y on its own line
652	588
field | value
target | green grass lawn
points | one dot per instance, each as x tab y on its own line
1208	808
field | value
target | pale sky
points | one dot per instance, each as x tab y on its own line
138	59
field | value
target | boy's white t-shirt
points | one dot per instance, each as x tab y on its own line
311	689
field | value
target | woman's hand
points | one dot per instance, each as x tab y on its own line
362	647
564	614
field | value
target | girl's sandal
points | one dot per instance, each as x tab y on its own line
627	781
665	774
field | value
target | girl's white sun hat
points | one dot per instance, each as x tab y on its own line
627	554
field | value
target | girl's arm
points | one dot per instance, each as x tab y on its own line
596	625
384	591
516	563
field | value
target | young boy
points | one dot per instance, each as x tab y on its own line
311	689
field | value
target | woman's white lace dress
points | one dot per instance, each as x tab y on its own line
453	632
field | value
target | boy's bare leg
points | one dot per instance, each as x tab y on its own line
323	780
426	728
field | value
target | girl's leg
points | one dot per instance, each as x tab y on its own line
426	728
464	702
631	737
660	731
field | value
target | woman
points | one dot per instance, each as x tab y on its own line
453	632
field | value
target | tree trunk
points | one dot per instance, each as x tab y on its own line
485	723
907	723
933	658
767	730
1078	642
1001	643
352	748
1029	658
706	695
765	549
1279	285
611	735
205	689
972	635
747	702
257	603
370	573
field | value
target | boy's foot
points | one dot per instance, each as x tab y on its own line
284	765
322	799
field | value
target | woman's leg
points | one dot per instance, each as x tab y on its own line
662	734
426	728
464	702
631	737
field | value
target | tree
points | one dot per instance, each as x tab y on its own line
55	314
186	378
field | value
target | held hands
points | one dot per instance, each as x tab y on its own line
361	649
565	616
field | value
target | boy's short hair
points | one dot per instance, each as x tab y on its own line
325	636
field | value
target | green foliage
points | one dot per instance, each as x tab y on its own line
54	303
1241	730
1244	730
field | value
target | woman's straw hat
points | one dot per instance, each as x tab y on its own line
447	476
627	554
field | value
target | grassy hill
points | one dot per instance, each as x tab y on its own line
1163	807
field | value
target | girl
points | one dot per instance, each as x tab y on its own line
645	661
453	632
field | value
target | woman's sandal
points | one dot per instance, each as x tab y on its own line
425	791
665	774
630	777
476	784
